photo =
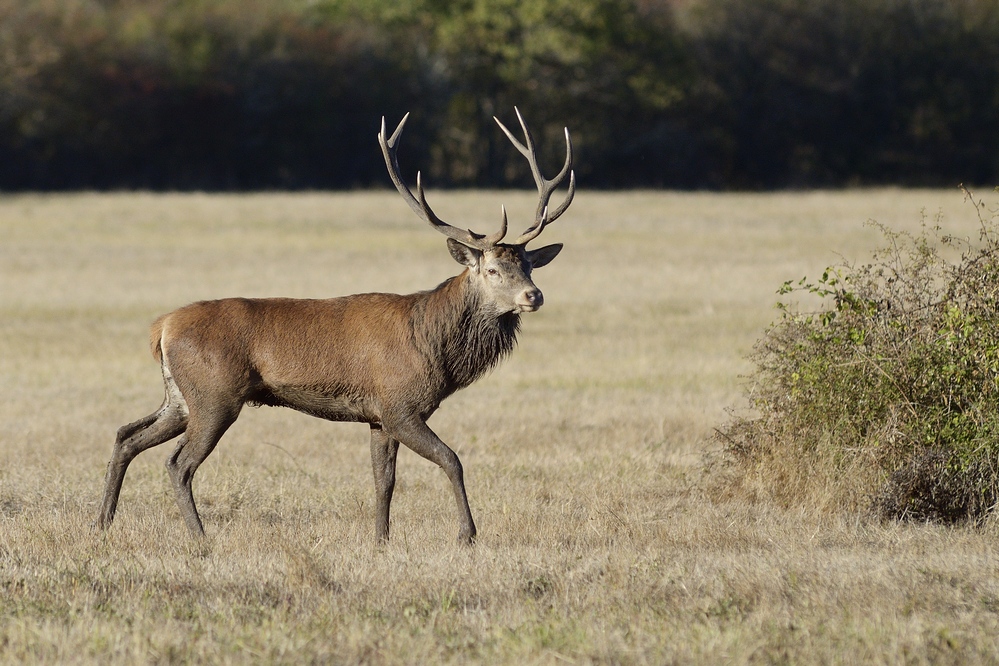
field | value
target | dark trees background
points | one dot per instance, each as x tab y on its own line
250	94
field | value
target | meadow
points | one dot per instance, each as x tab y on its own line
607	533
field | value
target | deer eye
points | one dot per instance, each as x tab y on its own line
492	271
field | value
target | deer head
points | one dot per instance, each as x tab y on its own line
501	272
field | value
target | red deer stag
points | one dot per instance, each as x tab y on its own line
382	359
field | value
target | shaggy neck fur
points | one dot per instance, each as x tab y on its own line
467	336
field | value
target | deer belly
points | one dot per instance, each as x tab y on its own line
322	403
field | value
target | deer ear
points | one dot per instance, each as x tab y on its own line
464	255
543	255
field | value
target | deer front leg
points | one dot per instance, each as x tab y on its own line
383	456
417	435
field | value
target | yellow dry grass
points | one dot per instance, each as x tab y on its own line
601	540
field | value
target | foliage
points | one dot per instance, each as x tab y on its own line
559	61
194	94
851	91
889	392
700	93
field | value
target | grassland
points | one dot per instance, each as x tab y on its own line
603	536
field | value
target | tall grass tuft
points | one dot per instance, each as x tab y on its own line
886	395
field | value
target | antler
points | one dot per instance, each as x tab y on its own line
420	206
545	187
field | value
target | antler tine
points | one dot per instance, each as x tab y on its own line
420	205
527	151
546	218
545	186
392	163
498	236
428	214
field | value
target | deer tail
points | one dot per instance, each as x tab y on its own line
156	338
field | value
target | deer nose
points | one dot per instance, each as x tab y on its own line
533	298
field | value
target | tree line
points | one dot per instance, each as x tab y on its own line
249	94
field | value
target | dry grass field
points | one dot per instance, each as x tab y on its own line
603	536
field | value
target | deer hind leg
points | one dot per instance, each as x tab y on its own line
418	436
162	425
204	431
383	457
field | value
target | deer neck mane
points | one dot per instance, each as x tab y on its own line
462	333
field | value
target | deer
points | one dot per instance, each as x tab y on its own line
387	360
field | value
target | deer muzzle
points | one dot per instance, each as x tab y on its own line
530	299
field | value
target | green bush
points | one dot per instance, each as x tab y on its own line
887	395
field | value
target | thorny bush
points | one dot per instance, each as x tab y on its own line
886	396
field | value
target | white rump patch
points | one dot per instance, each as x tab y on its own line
173	395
